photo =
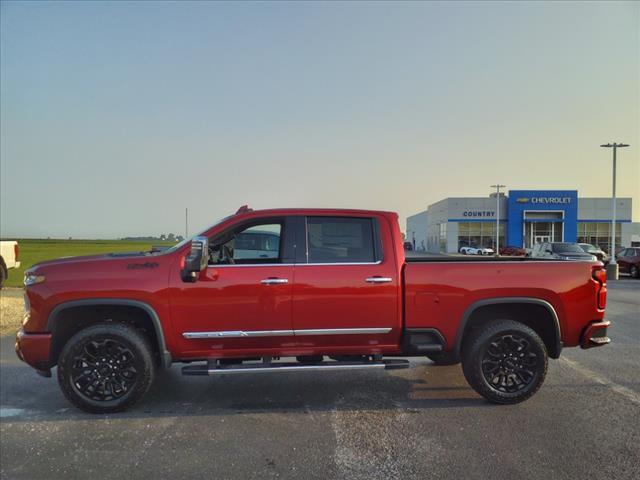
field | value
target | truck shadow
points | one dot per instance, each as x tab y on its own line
421	387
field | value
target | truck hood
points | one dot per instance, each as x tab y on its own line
89	258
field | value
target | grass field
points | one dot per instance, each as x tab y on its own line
34	251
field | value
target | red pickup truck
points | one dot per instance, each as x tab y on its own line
302	289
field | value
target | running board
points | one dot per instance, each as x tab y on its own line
213	369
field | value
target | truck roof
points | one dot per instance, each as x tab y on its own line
312	211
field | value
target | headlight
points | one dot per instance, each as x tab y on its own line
32	279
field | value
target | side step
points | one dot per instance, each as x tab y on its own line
212	368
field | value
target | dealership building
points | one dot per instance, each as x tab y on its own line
524	218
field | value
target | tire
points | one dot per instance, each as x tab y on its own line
514	378
634	271
444	358
3	274
104	346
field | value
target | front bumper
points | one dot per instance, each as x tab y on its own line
595	334
33	348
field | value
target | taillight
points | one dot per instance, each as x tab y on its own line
599	274
16	252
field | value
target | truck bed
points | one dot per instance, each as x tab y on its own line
414	257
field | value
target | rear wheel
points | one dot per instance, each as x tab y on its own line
505	362
105	368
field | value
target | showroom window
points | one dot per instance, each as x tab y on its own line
599	234
479	234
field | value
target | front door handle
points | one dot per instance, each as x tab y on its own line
273	281
378	279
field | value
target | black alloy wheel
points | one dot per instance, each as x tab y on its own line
509	364
504	361
105	368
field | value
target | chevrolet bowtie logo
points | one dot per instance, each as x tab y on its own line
522	200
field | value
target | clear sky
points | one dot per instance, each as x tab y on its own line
116	116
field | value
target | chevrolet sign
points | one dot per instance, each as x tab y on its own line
554	200
545	200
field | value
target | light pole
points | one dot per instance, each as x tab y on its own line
612	267
498	187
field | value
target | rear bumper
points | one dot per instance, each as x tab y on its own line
33	348
595	334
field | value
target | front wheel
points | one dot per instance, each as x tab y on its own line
634	271
505	362
105	368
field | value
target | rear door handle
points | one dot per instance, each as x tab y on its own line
378	279
274	281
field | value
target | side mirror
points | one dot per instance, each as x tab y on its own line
197	259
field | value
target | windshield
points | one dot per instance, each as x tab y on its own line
566	248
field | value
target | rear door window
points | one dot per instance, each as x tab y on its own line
340	240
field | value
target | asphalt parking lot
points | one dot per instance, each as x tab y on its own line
424	422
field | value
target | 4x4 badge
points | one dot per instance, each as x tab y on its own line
138	266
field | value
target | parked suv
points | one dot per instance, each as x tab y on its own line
629	261
561	251
595	250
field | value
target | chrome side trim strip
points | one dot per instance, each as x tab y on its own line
284	333
238	334
341	331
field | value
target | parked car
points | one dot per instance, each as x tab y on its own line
476	251
9	258
629	261
561	251
110	321
408	246
512	251
596	251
